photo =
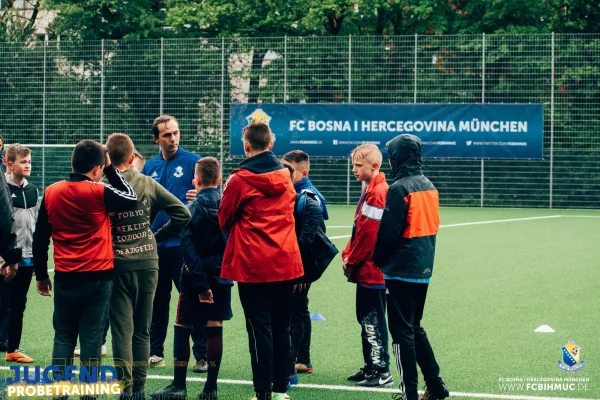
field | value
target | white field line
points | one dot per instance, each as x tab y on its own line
496	221
358	388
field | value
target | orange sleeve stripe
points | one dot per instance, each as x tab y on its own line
423	217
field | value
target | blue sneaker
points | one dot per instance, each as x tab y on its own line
293	380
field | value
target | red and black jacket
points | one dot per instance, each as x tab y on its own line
359	250
406	239
74	214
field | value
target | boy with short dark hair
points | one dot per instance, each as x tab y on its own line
301	163
205	298
262	255
316	251
75	214
301	323
359	268
24	196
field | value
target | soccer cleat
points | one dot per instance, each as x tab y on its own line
208	395
442	392
357	377
156	361
377	379
281	396
171	392
77	352
304	368
18	356
200	367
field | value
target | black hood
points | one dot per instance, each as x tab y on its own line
405	152
262	163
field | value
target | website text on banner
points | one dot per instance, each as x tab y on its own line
499	131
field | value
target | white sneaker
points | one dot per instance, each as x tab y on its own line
77	352
156	361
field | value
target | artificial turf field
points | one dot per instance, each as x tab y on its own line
494	283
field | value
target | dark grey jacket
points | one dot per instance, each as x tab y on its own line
8	239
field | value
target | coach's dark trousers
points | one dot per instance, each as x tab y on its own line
267	309
406	302
80	309
170	260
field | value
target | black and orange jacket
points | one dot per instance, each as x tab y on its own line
75	214
405	245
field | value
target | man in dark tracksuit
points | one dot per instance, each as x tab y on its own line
405	251
75	215
173	168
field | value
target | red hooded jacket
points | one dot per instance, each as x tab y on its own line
359	250
257	211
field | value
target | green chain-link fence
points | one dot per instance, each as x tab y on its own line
53	94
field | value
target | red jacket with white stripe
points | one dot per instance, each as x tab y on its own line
359	250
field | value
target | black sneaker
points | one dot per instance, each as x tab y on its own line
208	395
436	393
378	379
357	377
171	392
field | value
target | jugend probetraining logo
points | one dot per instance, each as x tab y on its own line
77	381
571	354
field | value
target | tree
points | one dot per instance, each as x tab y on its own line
107	19
18	25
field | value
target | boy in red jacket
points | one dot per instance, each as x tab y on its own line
359	268
262	255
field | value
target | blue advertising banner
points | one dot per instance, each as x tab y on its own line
494	131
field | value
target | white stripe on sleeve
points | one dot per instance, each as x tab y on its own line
372	212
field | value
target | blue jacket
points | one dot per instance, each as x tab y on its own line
175	175
203	244
305	185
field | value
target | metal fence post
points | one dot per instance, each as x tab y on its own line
350	69
162	76
44	116
349	100
482	101
285	94
222	98
348	182
415	72
552	123
102	91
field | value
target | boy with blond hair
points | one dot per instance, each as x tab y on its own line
24	197
360	269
